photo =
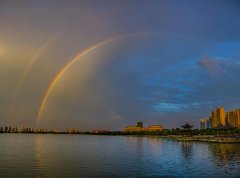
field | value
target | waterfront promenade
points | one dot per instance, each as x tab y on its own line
207	138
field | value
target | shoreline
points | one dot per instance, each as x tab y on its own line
209	139
195	138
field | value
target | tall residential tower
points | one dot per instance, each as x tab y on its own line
218	117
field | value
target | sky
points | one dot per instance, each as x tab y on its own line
108	64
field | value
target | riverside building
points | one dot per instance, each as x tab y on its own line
139	127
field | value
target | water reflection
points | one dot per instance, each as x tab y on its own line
225	153
107	156
154	144
41	160
139	147
187	150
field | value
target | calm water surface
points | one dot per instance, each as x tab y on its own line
26	155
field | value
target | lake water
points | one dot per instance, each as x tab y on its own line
27	155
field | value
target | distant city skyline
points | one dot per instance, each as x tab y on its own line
220	118
88	65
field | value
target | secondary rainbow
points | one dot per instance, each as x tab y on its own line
34	58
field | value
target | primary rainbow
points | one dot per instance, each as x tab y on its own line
75	59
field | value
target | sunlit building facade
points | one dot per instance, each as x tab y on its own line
237	118
218	117
154	128
214	119
231	118
221	115
139	127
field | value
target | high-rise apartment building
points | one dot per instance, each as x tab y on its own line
215	121
218	117
231	118
221	115
202	124
209	122
237	113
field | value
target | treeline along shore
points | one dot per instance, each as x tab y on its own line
203	135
